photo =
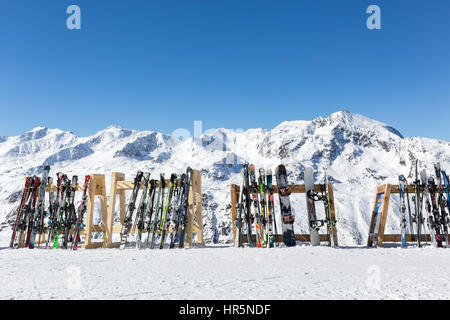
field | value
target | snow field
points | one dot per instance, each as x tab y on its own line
222	272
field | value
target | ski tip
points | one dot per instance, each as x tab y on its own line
281	168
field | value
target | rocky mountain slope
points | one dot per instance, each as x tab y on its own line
360	153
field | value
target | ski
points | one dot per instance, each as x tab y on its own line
239	217
445	181
81	211
441	204
402	185
287	218
148	213
314	224
178	211
54	209
71	215
426	207
268	232
30	212
410	216
434	208
248	206
183	219
167	209
51	210
270	209
158	210
142	208
127	222
256	209
417	205
38	219
62	208
20	209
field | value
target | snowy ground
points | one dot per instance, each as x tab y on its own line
222	272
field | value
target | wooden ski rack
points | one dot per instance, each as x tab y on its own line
278	237
96	188
381	206
194	220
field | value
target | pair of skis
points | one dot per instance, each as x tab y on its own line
428	198
262	211
244	209
267	218
165	217
30	220
63	217
25	213
173	212
255	205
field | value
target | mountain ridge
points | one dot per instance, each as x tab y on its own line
360	153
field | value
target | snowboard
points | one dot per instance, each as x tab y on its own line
311	207
287	218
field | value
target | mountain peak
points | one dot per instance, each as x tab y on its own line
114	127
34	134
38	128
355	120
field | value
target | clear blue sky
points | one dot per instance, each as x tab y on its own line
160	65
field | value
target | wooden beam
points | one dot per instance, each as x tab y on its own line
409	237
279	238
299	188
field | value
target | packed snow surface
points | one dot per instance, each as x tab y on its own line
223	272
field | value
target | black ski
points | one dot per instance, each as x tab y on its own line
127	222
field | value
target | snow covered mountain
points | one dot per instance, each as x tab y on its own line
360	153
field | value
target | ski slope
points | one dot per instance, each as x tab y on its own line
219	272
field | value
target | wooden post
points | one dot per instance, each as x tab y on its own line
115	177
96	188
194	221
332	212
384	212
234	190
